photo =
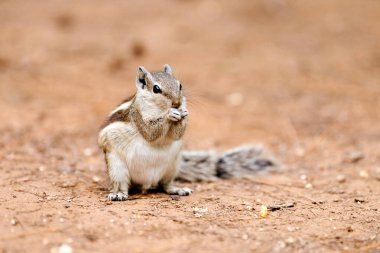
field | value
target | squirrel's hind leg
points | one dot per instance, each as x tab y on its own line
167	181
173	190
169	188
119	176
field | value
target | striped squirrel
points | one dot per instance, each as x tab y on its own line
142	140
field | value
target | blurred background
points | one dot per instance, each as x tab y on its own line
300	77
255	71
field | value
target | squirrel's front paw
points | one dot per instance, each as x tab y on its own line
174	115
184	112
117	196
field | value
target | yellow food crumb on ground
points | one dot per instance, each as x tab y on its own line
264	211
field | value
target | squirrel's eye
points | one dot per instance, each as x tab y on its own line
180	86
157	89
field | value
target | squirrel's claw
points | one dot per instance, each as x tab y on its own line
184	113
174	115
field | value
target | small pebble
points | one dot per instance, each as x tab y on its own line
300	151
65	248
249	208
308	186
174	197
359	200
95	179
45	241
290	229
363	174
199	212
88	152
341	178
234	99
279	246
290	240
355	156
13	222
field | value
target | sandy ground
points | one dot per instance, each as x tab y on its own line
300	77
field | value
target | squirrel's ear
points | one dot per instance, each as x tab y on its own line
168	69
142	76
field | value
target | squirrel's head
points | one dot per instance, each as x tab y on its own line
159	87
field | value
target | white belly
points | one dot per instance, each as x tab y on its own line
145	164
148	165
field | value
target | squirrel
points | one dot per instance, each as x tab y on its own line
142	140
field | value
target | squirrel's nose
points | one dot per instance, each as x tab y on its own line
176	104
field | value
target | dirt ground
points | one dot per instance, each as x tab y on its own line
300	77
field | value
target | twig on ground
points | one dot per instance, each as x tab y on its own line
276	207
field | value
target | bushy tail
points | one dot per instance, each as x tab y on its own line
237	162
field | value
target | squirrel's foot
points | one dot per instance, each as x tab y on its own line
174	114
117	196
172	190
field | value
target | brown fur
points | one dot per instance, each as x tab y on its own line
155	128
120	115
177	129
171	90
151	130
